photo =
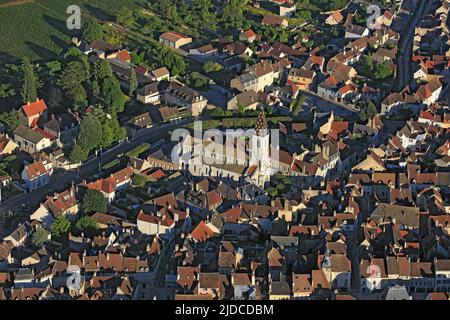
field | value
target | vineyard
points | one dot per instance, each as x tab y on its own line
37	28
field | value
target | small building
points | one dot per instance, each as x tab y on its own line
30	140
174	39
37	174
274	21
31	113
160	74
248	35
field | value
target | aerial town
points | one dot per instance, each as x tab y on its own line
320	132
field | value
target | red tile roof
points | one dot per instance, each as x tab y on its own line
202	232
34	108
35	169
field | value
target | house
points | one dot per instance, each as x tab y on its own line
104	50
160	74
37	174
354	31
286	9
180	95
7	146
124	55
204	52
63	203
238	48
174	39
301	78
65	127
33	112
140	121
150	224
334	18
248	35
149	93
338	271
18	237
274	21
248	99
116	181
256	77
429	93
32	141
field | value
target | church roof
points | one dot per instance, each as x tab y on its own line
261	127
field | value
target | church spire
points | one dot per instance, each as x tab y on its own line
261	127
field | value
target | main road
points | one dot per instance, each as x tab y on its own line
61	179
404	72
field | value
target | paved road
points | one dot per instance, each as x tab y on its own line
404	72
61	179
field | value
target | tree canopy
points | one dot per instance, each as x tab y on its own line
31	84
94	201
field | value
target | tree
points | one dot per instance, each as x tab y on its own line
11	119
125	17
212	66
73	53
72	78
60	226
77	155
112	94
196	80
94	201
367	110
110	127
31	84
39	237
90	133
92	30
383	70
233	14
6	91
133	82
86	223
139	180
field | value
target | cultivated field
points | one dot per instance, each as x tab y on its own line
37	28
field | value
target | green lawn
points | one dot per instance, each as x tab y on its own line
38	29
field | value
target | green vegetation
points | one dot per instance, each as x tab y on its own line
77	155
90	135
111	164
86	223
94	201
60	227
31	84
139	180
11	164
196	80
37	29
370	69
11	119
134	153
212	66
368	110
6	90
39	237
